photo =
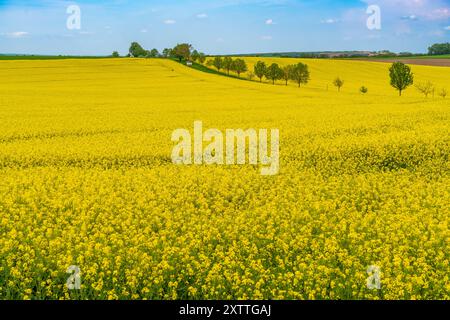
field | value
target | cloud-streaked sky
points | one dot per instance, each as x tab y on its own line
222	26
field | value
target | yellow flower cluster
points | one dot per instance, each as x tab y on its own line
86	179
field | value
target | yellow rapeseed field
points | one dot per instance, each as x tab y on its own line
86	179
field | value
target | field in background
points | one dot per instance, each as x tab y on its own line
418	57
356	74
86	179
438	61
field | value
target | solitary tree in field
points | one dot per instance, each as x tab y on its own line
426	88
339	83
136	50
260	70
182	51
401	76
274	72
227	64
218	63
443	93
115	54
363	90
287	73
300	74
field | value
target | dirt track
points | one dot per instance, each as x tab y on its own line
421	62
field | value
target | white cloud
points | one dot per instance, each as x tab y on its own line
269	22
412	17
439	14
144	31
202	16
330	21
169	21
436	33
16	34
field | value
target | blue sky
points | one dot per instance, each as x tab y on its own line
222	26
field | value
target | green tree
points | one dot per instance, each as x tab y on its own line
274	72
136	50
218	63
239	66
167	53
201	58
115	54
287	72
260	70
439	49
227	64
154	53
401	76
363	90
182	51
195	55
338	83
300	74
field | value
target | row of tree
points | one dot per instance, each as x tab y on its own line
182	52
228	64
439	49
298	72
